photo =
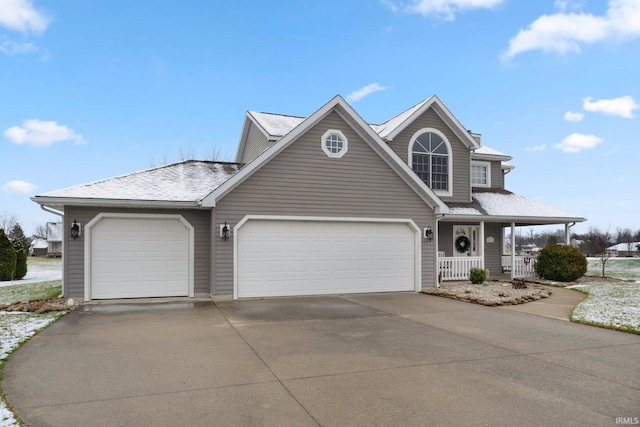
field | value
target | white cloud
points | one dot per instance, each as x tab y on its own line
536	148
9	47
21	187
40	133
365	91
577	142
444	10
570	116
564	32
21	16
623	106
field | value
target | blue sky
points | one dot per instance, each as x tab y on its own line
95	89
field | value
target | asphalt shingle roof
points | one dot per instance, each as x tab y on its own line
187	181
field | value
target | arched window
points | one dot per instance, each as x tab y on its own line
431	159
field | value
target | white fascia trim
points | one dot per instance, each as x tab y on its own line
476	156
461	131
124	203
517	219
417	239
243	137
95	220
394	160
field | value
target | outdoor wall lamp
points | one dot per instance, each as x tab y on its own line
75	230
428	233
224	231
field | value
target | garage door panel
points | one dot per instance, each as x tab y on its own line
139	257
277	258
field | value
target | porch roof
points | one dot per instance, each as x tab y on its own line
493	204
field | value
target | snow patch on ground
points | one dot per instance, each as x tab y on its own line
39	270
610	304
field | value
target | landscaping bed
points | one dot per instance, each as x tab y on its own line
491	293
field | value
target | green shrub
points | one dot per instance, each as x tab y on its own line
21	259
477	275
7	258
560	262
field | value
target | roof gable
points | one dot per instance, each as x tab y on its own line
365	131
391	128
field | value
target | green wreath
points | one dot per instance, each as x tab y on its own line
462	244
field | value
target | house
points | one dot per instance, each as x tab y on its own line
629	249
38	247
54	239
324	204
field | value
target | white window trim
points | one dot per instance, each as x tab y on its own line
345	147
487	165
449	192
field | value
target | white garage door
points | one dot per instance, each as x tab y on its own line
139	257
285	257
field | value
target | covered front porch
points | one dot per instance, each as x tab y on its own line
463	246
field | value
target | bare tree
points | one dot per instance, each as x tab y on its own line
40	231
8	221
186	153
216	154
597	242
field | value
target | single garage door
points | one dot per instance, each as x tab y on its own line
296	257
139	258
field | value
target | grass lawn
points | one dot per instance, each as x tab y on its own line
17	328
611	304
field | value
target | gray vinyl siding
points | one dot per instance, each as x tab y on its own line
492	251
256	143
445	238
74	249
303	181
497	178
461	156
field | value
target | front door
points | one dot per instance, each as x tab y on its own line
466	240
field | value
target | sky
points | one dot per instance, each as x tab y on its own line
95	89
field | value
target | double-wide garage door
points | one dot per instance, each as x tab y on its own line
136	257
302	257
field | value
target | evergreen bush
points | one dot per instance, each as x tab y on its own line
560	262
477	275
7	258
21	259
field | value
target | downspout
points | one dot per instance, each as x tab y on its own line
64	241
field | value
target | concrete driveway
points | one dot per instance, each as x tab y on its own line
385	359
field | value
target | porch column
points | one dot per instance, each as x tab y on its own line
513	250
482	243
567	234
436	245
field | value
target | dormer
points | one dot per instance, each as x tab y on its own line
488	168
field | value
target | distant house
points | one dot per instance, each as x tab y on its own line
530	249
54	239
38	247
625	249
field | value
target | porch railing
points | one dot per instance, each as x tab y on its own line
457	268
523	267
